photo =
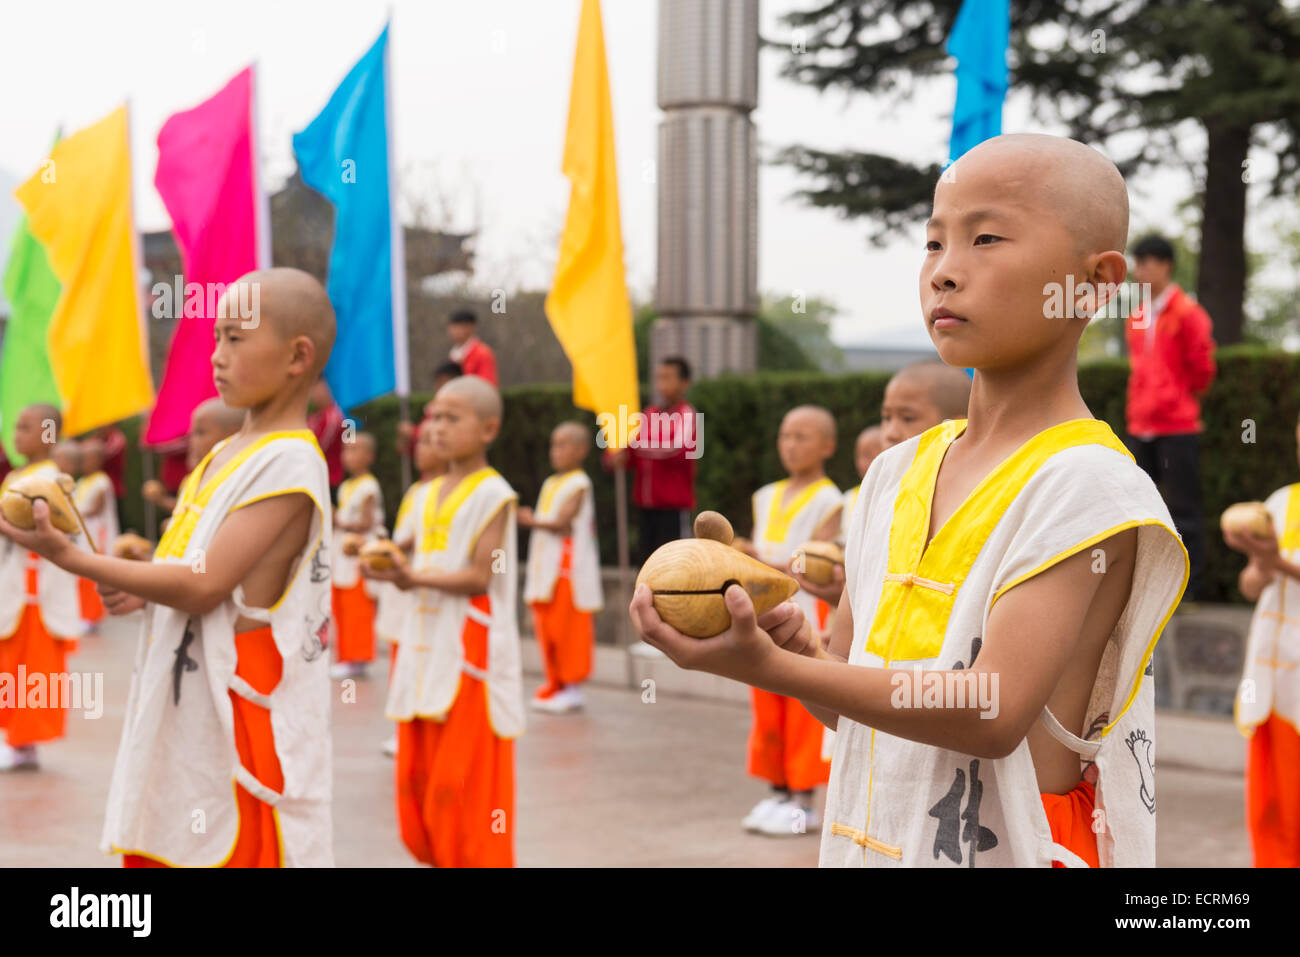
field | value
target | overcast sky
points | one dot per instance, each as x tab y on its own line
481	97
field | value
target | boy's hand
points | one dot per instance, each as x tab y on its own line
1262	549
45	540
118	602
790	629
525	517
743	652
399	574
828	593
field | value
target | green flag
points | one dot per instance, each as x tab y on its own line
25	376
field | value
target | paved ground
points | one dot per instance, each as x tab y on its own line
627	783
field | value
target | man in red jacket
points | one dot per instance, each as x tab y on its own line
1171	354
471	353
662	456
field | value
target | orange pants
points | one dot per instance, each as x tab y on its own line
92	607
40	653
455	777
354	613
258	841
785	741
1273	793
1070	818
565	635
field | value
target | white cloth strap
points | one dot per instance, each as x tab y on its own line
246	691
1067	856
1078	745
256	787
474	671
479	615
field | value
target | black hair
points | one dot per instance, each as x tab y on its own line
683	367
464	316
452	369
1154	247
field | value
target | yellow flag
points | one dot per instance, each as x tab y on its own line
79	207
588	304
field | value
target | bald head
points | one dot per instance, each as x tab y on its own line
479	394
218	416
1064	177
947	388
816	417
575	433
291	302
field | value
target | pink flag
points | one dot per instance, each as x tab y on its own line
207	178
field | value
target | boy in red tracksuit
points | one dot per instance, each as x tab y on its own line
1171	351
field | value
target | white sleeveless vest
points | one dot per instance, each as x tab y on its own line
353	495
103	528
56	590
545	547
426	676
846	513
394	604
172	795
780	529
895	802
1271	679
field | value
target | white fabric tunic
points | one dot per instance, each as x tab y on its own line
431	659
172	795
545	548
1271	681
354	493
394	603
103	527
846	513
56	590
892	801
782	526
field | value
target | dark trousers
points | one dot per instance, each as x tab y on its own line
1173	462
659	526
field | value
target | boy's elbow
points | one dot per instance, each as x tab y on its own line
999	736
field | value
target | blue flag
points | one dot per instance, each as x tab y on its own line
345	154
979	42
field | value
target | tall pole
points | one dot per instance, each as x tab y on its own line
620	508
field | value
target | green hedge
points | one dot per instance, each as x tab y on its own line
742	413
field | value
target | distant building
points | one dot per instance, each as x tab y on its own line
884	358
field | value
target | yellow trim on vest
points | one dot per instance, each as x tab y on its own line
922	581
190	504
1290	536
551	488
779	517
348	488
405	506
437	517
83	484
24	470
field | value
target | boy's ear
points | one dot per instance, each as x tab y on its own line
1105	277
491	429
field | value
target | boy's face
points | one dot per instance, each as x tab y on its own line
458	432
204	434
426	452
66	459
356	457
566	454
92	456
865	451
907	410
801	443
1152	271
460	332
669	383
992	246
249	366
29	434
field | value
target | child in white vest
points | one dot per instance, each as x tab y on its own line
562	577
1008	574
360	513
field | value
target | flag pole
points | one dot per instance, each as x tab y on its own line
397	265
620	507
150	513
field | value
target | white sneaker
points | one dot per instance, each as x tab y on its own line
18	759
760	811
573	698
390	747
557	703
789	819
340	670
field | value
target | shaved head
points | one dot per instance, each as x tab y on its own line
219	416
292	302
44	412
816	416
366	440
948	388
574	432
479	394
1069	179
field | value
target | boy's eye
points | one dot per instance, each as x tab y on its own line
932	246
983	239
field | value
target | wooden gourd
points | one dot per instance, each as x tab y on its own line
1248	517
816	561
130	545
22	493
687	579
380	555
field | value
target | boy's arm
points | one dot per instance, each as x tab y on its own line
96	504
562	524
1033	631
244	536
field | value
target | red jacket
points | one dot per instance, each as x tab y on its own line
1169	365
662	458
481	361
327	425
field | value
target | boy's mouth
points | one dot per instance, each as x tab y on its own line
942	318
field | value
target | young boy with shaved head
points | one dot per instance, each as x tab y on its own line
225	755
210	422
457	688
1008	574
39	610
785	741
360	515
562	575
